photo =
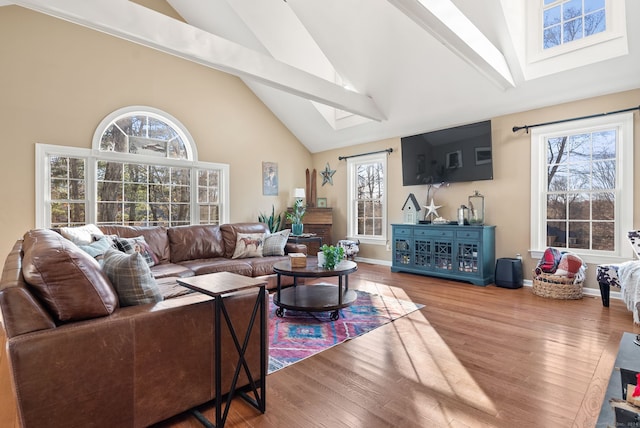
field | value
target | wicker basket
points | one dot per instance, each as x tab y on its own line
556	287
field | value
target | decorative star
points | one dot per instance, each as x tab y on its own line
327	175
433	209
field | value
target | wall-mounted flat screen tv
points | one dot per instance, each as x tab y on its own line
452	155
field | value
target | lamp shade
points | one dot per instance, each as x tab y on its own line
298	193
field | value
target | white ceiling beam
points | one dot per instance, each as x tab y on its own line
135	23
444	21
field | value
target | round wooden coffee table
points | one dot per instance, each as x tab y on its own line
314	297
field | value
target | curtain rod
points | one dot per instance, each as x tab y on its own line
389	150
518	128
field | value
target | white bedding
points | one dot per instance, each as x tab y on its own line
629	274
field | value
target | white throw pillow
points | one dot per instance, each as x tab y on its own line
81	235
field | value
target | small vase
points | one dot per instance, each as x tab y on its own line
296	228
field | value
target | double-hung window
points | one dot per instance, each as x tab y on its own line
367	205
582	187
142	171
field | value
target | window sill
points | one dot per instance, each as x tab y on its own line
369	240
595	259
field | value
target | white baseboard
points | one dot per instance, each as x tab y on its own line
595	292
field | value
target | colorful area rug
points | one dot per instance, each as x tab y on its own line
299	335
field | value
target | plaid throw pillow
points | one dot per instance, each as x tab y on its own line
274	244
136	245
130	276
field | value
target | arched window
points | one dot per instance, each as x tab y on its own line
142	170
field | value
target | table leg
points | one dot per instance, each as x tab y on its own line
218	356
259	399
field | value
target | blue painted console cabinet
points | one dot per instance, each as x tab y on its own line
464	253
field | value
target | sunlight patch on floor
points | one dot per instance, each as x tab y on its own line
431	367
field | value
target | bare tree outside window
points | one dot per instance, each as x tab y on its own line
580	197
370	191
145	186
67	191
566	21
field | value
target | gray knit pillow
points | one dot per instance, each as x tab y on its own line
131	277
274	244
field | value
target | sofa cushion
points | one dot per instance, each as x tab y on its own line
81	235
274	243
195	242
131	277
230	234
169	288
67	280
155	236
136	245
248	245
165	270
264	265
204	266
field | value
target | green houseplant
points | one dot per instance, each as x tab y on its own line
295	217
332	256
273	221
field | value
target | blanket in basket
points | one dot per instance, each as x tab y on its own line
629	273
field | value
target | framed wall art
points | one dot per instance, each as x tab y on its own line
321	202
270	178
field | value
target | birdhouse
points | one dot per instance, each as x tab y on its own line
410	210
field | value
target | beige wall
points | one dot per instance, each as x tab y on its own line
507	196
59	80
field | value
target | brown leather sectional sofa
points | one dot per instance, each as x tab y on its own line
104	365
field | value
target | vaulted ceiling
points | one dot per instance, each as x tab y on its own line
344	72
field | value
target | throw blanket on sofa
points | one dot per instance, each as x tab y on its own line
629	273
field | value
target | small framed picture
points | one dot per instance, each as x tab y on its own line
321	203
483	155
454	159
270	178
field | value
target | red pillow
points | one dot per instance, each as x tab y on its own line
550	260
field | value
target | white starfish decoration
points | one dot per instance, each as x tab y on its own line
432	208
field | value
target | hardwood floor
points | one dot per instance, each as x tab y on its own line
472	357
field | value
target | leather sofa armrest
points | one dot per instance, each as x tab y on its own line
295	248
22	313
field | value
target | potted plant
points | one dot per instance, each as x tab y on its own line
272	221
332	256
295	217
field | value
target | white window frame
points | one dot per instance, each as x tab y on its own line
352	209
93	155
610	43
623	123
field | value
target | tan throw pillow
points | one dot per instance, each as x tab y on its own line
274	244
249	245
68	280
131	277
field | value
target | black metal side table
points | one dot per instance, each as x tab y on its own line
216	285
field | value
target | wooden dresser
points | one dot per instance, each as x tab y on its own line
318	221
